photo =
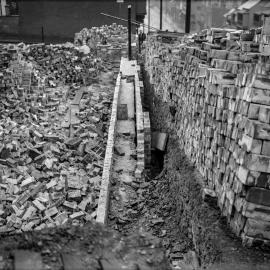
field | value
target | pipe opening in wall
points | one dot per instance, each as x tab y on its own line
157	160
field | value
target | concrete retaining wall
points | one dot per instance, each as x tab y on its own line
103	204
139	127
104	197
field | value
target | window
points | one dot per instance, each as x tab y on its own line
239	18
257	19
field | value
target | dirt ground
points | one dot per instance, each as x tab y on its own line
90	247
169	205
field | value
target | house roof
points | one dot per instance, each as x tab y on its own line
249	4
244	7
263	12
229	12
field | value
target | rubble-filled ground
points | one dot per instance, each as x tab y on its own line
54	115
170	206
79	248
55	109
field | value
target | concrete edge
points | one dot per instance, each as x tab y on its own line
139	127
104	195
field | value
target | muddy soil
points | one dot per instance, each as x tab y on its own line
90	247
169	205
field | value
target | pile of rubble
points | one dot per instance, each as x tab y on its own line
53	127
91	246
216	84
113	34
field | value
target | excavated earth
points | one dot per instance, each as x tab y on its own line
170	206
90	247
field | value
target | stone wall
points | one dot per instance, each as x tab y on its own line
217	88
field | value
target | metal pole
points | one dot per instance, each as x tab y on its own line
42	34
129	32
160	18
124	20
148	16
188	11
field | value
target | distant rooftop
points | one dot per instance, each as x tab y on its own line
249	4
245	7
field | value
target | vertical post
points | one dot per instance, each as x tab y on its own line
42	34
129	33
3	4
188	11
148	16
160	18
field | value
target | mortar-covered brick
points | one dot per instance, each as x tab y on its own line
103	202
218	110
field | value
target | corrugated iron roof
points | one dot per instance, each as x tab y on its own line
249	4
245	7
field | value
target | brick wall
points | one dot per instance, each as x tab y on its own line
222	103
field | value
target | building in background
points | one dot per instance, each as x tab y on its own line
204	13
9	19
210	13
59	20
248	15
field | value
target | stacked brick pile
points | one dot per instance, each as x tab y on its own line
218	82
111	39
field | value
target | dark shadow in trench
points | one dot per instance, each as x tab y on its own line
157	162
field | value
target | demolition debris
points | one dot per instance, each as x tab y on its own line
54	119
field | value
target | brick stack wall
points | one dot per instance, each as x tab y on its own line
219	89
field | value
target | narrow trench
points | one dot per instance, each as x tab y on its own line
168	204
139	205
157	162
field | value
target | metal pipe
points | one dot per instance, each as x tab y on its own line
160	18
129	33
134	22
148	16
188	12
42	34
